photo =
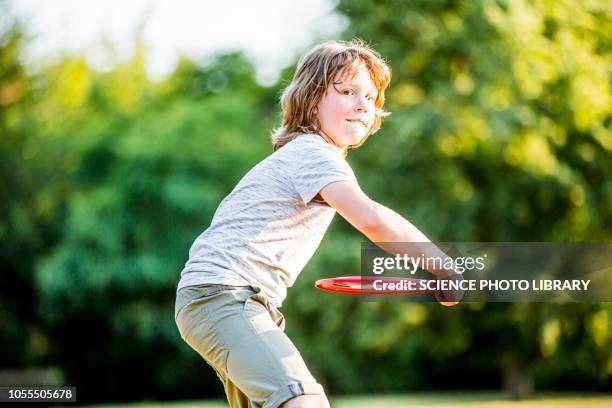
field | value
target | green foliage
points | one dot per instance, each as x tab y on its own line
500	132
27	209
492	118
148	173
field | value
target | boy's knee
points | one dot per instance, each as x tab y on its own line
307	401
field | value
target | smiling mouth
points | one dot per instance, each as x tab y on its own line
359	122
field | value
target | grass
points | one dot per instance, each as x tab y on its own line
429	400
475	400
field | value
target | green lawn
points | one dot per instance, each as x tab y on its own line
430	400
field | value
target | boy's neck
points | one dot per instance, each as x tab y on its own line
331	141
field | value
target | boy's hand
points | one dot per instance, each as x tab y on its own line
450	297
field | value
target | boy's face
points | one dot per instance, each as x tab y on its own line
346	111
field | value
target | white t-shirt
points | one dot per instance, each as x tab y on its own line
265	231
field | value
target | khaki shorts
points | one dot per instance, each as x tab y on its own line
240	334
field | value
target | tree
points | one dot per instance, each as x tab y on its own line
153	162
27	214
500	131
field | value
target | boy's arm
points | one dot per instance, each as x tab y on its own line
383	226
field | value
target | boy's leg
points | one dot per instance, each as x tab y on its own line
186	323
307	401
238	333
235	397
263	361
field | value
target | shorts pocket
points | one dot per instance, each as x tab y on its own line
190	294
201	333
257	306
257	314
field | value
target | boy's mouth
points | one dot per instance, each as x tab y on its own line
356	121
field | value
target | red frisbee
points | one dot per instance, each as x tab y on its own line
373	285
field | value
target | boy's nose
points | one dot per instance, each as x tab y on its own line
361	107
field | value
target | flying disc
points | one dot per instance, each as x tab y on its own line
372	285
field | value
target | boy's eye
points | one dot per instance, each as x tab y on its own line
369	97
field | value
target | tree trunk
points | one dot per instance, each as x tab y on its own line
518	379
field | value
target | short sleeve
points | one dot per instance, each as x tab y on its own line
317	165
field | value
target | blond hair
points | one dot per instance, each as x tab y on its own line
316	70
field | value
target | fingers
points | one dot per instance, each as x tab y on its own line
454	293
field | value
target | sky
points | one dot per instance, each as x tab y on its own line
272	33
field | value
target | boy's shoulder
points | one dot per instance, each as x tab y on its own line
310	141
305	138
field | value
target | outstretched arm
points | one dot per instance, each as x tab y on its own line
380	224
